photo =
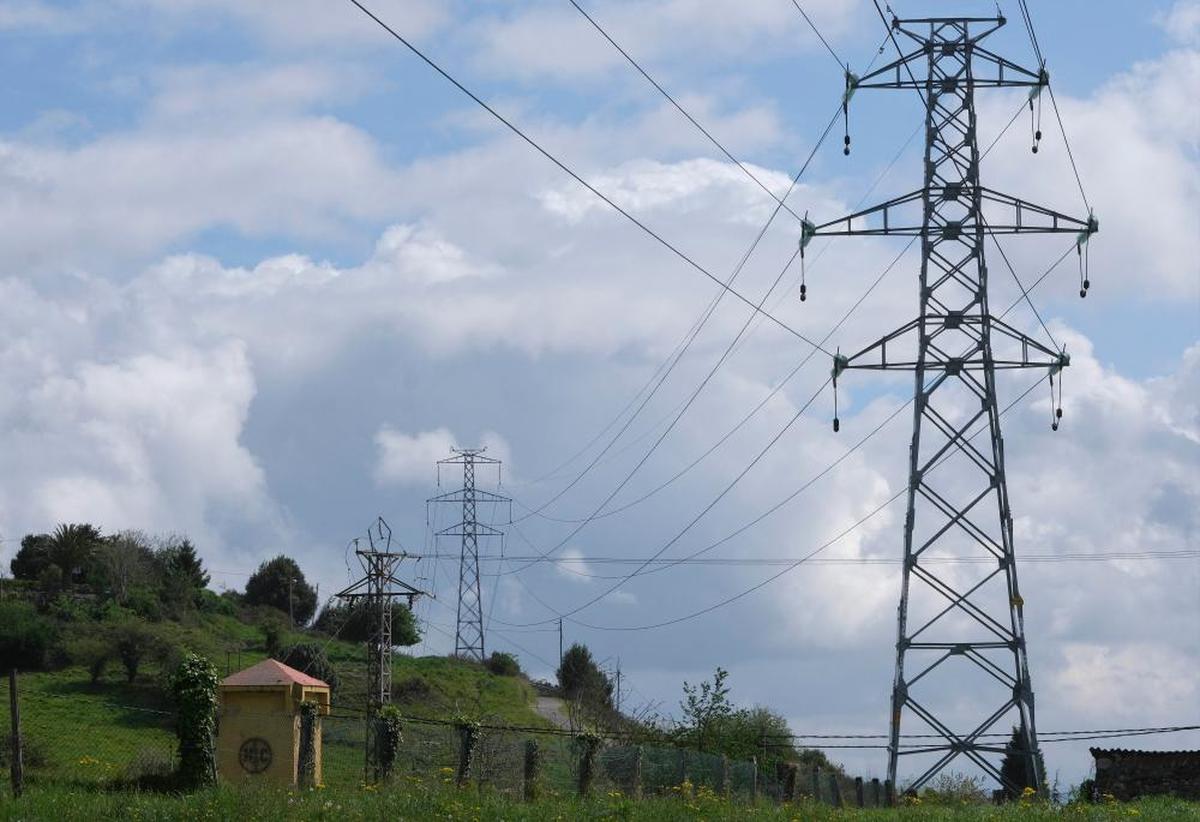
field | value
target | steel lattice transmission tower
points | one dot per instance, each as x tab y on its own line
468	635
962	631
375	592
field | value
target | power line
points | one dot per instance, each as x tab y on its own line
761	404
573	175
731	599
840	63
683	111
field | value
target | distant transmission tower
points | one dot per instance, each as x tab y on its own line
468	636
375	593
961	635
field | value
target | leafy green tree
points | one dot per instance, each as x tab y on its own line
180	560
280	584
26	637
123	563
32	558
706	711
581	680
355	623
133	641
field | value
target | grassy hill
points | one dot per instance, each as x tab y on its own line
114	730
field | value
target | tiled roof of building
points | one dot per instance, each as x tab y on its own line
271	672
1131	752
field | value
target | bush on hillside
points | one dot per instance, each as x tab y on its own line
133	641
26	637
91	651
502	664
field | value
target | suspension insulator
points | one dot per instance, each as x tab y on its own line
1087	284
1082	293
1054	425
1037	135
803	292
837	425
1058	413
1035	148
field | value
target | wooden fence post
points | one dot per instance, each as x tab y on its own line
876	793
468	738
637	773
18	765
816	783
790	777
835	790
587	763
532	765
889	792
307	766
859	797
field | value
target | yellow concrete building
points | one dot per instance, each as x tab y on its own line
258	735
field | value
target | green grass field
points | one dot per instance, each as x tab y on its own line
78	733
421	800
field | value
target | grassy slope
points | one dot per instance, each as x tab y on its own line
420	800
79	732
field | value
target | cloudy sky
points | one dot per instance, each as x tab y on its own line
263	268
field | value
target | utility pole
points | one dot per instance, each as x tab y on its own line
618	686
468	635
962	632
376	592
560	643
291	604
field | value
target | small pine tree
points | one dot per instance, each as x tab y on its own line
1013	769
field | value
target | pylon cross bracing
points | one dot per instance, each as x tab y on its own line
962	631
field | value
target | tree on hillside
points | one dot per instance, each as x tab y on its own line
280	584
125	561
72	548
706	710
32	558
1012	768
180	560
355	624
581	680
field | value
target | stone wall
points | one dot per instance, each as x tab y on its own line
1130	774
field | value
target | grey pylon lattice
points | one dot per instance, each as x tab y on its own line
375	593
469	628
960	631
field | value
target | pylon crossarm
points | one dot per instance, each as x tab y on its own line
1010	215
457	495
460	530
1032	354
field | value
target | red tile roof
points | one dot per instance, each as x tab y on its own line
271	672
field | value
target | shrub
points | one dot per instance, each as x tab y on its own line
310	658
133	641
411	689
502	664
91	651
194	685
26	637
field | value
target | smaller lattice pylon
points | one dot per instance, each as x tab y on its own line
376	591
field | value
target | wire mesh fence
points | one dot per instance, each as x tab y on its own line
139	750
